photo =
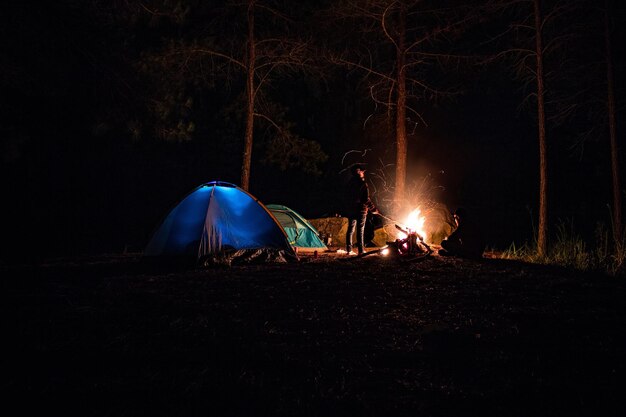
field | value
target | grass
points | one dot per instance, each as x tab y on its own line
606	253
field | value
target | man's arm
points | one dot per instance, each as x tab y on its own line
371	207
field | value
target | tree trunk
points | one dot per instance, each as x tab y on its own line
247	148
542	244
617	197
401	142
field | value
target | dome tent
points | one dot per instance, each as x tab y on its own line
301	233
215	218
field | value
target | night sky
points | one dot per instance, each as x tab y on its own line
77	80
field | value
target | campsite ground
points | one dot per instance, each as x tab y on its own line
110	336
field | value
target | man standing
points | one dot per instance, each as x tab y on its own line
358	205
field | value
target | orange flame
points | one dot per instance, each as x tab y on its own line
415	223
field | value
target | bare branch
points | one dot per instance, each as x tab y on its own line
215	54
368	70
384	26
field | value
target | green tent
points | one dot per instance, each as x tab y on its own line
300	232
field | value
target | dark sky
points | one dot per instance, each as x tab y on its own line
79	183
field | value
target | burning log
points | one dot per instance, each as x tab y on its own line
411	248
413	244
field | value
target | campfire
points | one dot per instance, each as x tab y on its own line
414	223
409	241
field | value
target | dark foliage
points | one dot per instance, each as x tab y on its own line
84	109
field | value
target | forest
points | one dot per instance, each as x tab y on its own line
112	111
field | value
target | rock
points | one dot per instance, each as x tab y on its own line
336	227
387	233
439	223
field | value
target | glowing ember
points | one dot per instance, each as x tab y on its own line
415	223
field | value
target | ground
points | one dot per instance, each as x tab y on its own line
326	336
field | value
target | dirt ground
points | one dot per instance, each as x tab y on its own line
327	336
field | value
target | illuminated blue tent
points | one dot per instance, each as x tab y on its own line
301	233
216	217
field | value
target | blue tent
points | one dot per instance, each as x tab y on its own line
215	217
301	233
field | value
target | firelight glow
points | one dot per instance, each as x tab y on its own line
415	222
